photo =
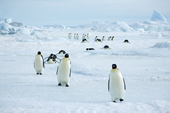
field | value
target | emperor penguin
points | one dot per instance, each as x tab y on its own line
69	35
61	52
52	59
116	84
126	41
109	38
84	41
75	35
39	63
88	35
96	38
103	38
89	49
64	71
113	38
106	47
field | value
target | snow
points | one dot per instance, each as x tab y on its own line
156	16
144	64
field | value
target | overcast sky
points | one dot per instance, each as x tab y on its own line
76	12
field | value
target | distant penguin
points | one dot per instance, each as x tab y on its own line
88	35
61	52
84	41
113	37
116	84
89	49
83	36
106	47
103	38
109	38
64	71
98	40
52	59
77	36
126	41
69	35
39	63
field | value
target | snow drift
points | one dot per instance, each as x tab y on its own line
9	27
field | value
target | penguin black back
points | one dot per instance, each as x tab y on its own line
126	41
62	51
106	47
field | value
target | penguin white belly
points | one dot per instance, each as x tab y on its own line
116	86
38	64
51	61
64	72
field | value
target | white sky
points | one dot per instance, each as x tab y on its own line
76	12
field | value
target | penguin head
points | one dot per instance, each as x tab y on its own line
51	55
114	66
87	49
66	55
39	53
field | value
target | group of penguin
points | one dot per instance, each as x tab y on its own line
116	83
85	37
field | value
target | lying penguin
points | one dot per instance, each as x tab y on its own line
52	59
106	47
126	41
89	49
84	41
61	52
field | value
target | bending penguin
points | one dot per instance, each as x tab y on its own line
116	84
39	63
64	71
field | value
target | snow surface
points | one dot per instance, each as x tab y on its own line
144	64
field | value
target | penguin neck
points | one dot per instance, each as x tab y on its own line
66	59
115	69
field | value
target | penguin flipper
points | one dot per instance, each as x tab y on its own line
108	83
43	61
70	73
124	84
57	70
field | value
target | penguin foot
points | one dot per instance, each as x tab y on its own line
59	84
114	101
67	85
121	99
40	73
37	73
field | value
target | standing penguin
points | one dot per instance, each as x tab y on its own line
64	71
116	84
39	63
